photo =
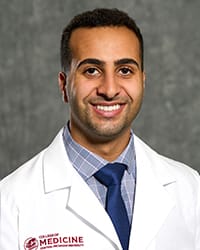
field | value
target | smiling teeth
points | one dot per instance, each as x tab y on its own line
108	108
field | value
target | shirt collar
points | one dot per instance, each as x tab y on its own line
87	163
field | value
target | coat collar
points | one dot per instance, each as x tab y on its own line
55	161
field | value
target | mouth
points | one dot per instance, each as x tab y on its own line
108	111
108	108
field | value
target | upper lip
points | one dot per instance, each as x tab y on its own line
107	103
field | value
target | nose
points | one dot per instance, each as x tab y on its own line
108	87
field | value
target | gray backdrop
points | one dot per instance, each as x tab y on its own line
31	110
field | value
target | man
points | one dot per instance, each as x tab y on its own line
58	200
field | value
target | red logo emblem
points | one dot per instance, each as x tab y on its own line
31	244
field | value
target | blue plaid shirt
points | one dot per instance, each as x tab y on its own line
87	163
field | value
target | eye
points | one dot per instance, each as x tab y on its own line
125	71
92	71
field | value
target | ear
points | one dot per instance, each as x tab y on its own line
62	85
144	78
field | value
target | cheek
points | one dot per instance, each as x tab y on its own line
135	90
79	90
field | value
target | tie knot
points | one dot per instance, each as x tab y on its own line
111	174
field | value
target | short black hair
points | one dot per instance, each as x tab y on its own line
99	17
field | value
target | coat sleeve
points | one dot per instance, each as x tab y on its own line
8	223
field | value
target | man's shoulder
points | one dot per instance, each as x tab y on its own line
182	172
162	164
31	168
23	175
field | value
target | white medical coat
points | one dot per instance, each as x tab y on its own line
45	204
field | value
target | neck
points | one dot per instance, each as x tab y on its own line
108	149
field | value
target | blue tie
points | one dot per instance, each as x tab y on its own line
111	176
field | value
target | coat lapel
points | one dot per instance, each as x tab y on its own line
152	202
59	175
84	204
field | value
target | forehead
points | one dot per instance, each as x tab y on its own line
106	43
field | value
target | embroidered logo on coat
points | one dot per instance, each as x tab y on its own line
53	241
31	244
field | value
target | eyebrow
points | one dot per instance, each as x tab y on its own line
101	63
91	61
127	61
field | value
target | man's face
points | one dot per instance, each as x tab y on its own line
105	84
